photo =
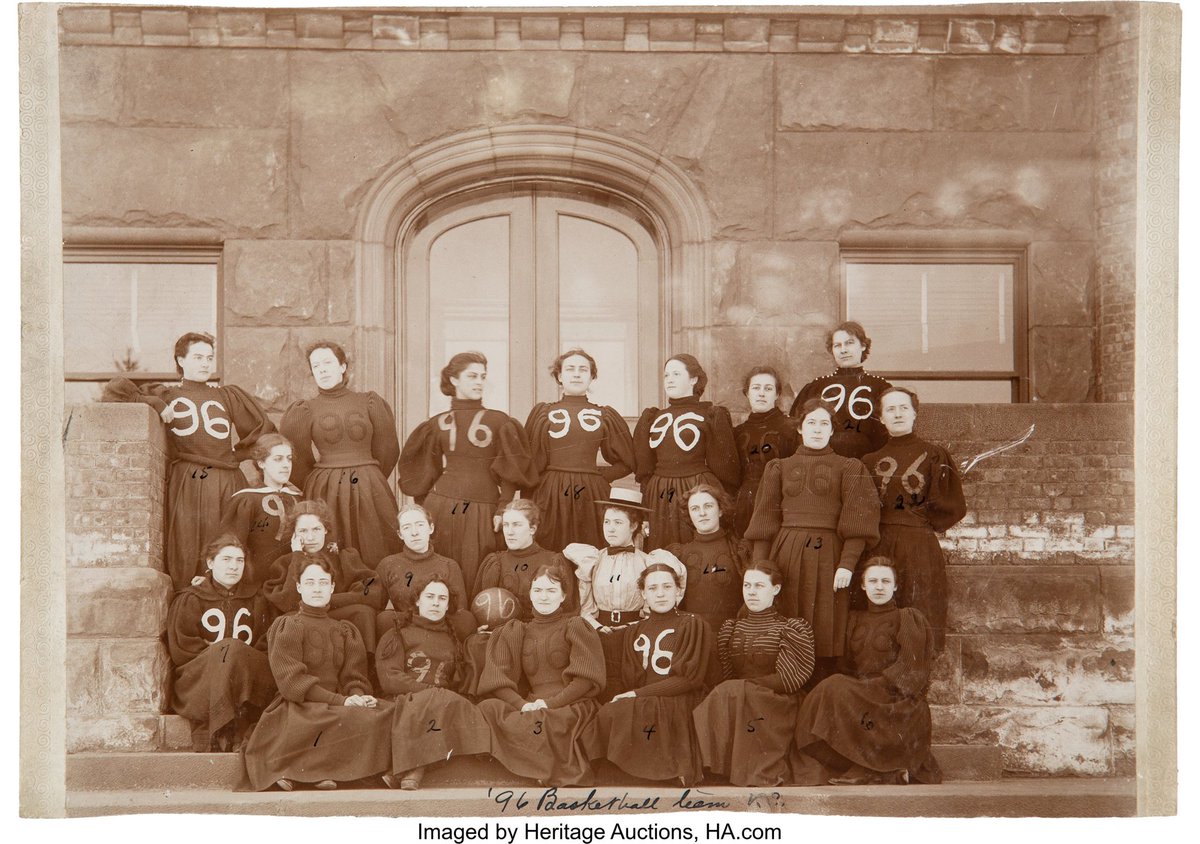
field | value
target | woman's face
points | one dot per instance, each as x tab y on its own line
676	382
327	370
415	531
660	592
762	393
277	468
518	533
311	533
228	565
198	363
758	591
847	349
468	384
576	376
618	530
817	428
546	595
879	582
898	413
433	602
315	586
705	513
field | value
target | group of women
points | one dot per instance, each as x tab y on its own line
539	613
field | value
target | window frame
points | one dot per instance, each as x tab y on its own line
1018	376
145	254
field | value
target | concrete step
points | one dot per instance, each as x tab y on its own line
1001	798
189	771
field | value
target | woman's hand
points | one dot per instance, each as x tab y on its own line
603	629
297	545
167	415
842	579
534	705
483	628
365	701
496	523
198	579
622	696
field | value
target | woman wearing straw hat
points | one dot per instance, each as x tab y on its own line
609	598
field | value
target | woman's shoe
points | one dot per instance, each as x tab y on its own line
390	780
855	775
327	785
411	780
285	784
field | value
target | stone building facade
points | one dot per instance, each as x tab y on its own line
304	148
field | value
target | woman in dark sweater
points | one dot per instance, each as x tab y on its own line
260	517
767	434
346	446
512	568
460	464
871	723
746	724
325	726
689	442
217	634
420	666
714	558
647	729
542	677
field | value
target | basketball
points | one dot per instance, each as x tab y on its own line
494	606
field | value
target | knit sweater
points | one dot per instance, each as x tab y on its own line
317	658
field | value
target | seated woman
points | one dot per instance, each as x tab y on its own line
714	558
259	516
609	599
217	635
871	724
513	568
325	726
402	574
747	723
647	731
420	667
543	676
360	595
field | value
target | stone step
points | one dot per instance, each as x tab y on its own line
173	772
1060	797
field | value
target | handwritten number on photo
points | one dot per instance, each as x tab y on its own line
649	731
433	727
537	728
750	723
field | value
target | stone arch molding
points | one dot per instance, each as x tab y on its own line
496	155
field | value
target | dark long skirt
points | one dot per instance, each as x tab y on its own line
567	516
870	725
922	573
668	523
650	737
746	733
197	498
310	742
213	686
434	724
546	745
808	558
462	531
363	507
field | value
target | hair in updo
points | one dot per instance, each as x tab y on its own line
525	506
312	508
768	568
338	351
657	567
694	370
850	327
553	572
882	562
724	502
423	584
184	344
762	370
225	540
912	396
556	367
815	404
264	444
636	517
455	366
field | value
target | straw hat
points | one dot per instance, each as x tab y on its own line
620	497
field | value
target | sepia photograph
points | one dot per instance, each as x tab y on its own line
555	413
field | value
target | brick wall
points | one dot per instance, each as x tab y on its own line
1039	659
1116	200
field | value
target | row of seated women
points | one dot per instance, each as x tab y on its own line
822	506
559	686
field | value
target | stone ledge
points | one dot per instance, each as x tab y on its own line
880	34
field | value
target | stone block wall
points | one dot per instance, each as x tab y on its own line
1039	657
803	134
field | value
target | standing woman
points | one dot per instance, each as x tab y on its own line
609	597
853	393
816	512
359	596
346	446
203	476
420	666
543	676
747	723
216	632
688	442
325	726
564	437
871	724
460	464
921	494
767	434
647	729
260	517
